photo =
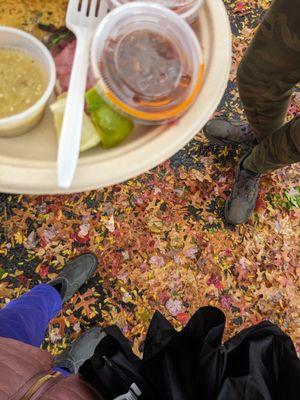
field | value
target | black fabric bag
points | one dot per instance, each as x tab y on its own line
114	368
260	363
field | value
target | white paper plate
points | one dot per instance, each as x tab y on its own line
28	162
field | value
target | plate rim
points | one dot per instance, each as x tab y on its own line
88	165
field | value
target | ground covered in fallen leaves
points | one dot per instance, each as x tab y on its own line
161	239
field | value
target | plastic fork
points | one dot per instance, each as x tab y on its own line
83	16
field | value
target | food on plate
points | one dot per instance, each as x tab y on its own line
22	81
90	136
101	124
187	9
27	79
149	74
93	100
58	38
30	15
113	127
64	61
139	72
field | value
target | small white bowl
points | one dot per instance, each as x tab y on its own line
21	123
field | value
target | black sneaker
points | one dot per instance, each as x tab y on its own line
74	275
80	350
242	200
226	133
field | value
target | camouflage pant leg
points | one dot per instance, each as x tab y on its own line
266	77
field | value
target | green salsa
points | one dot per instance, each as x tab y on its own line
22	81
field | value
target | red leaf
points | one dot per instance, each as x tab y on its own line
43	242
214	280
163	297
43	270
80	239
242	273
260	204
227	252
183	318
23	279
226	301
240	8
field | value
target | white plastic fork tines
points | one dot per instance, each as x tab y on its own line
83	17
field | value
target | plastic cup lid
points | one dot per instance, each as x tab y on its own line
147	60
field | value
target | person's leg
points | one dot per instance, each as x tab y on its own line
270	68
266	78
277	150
26	318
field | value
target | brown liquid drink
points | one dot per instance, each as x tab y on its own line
147	66
152	74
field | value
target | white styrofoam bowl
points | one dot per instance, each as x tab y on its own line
28	162
26	120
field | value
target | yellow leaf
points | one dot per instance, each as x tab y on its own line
18	238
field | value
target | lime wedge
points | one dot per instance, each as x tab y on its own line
93	100
113	127
90	136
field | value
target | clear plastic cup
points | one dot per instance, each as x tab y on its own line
24	121
147	63
187	9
